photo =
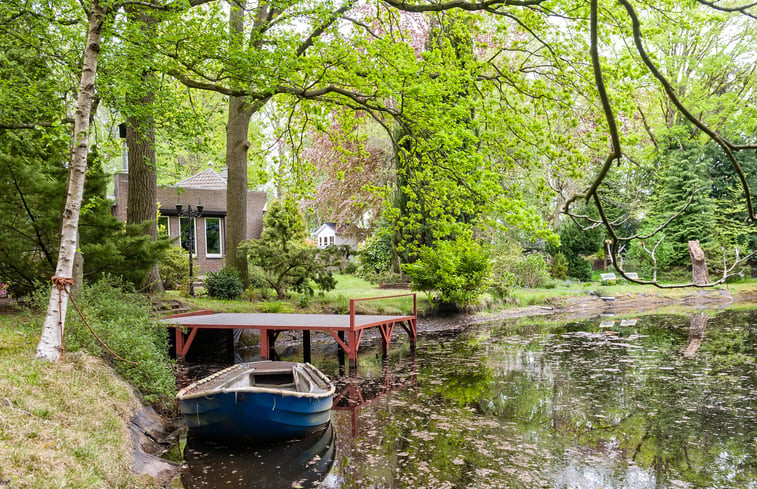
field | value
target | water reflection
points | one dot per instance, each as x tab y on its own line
355	393
630	402
573	405
298	463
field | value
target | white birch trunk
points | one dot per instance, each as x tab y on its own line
50	342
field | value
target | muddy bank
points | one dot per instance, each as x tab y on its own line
591	305
151	436
573	307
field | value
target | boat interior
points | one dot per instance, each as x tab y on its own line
292	379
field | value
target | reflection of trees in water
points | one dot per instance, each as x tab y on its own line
492	408
354	394
660	410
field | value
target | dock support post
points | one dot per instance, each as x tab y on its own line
265	348
306	345
353	345
414	335
340	353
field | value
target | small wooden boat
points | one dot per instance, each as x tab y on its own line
258	401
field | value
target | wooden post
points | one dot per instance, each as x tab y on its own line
265	349
353	345
306	345
340	352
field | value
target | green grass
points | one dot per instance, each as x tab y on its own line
335	301
61	424
349	287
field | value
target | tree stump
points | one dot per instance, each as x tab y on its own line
699	273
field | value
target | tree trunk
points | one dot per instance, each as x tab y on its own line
140	139
241	110
696	334
50	343
699	273
236	189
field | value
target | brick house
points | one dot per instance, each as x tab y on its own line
207	188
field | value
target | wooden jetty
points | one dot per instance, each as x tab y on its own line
346	329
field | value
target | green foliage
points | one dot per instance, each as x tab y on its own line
684	171
174	267
575	243
559	266
579	268
289	263
226	283
33	193
531	271
30	216
109	246
121	318
455	272
512	268
376	253
503	283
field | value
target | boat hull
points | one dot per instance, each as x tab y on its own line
221	408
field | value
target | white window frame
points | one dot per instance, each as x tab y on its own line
208	254
168	224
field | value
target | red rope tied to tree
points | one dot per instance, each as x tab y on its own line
61	284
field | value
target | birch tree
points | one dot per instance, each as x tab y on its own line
51	340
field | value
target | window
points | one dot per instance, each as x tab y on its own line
213	237
164	228
184	234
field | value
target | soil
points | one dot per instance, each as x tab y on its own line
591	305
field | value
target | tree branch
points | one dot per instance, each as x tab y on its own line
469	6
726	145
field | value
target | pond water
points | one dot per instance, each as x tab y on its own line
659	401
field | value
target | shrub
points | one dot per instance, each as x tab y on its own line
121	318
375	254
350	268
455	272
226	283
530	271
503	284
282	252
559	267
579	268
174	267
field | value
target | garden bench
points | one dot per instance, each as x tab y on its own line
608	278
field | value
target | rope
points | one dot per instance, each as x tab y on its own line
61	283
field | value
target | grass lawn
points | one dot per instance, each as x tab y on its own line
335	301
348	287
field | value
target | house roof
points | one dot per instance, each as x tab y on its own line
208	179
323	227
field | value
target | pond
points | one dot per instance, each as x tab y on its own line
657	401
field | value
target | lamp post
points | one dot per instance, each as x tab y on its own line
190	214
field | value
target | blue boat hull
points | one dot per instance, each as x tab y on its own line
254	415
